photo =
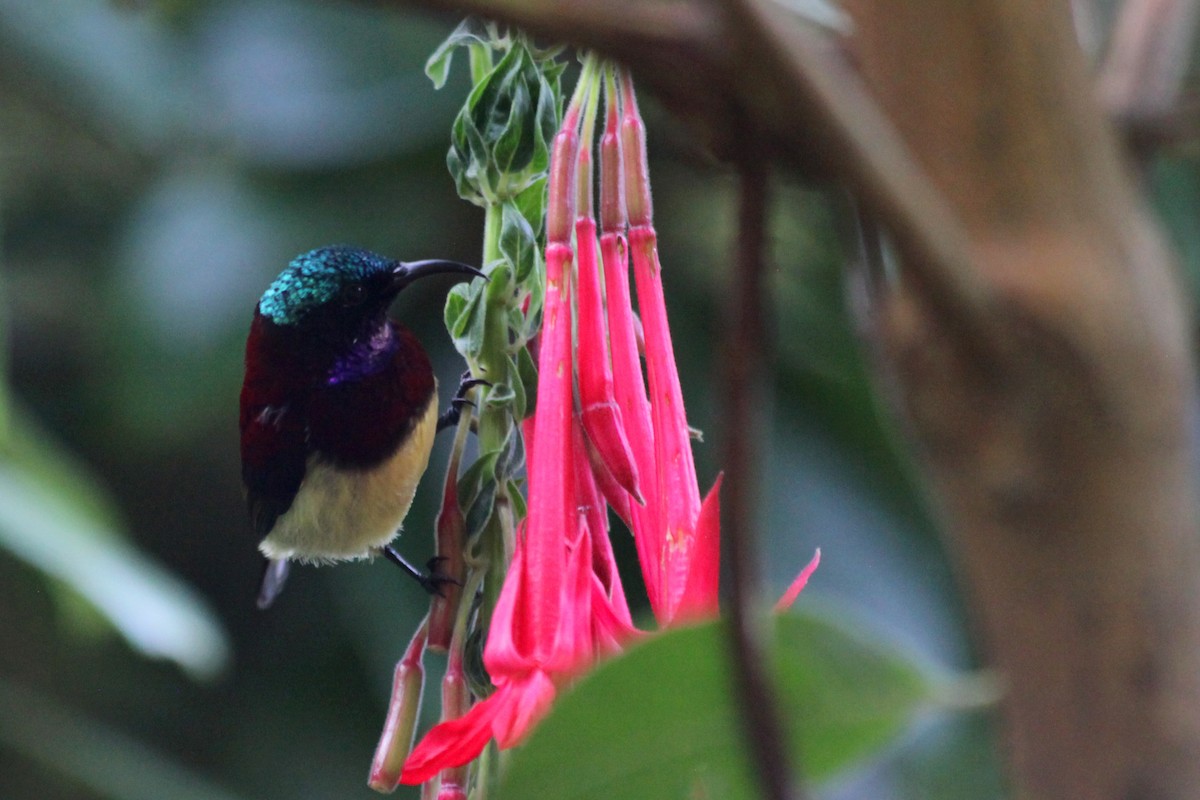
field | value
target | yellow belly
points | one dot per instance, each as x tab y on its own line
339	515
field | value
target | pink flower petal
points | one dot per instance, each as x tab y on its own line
573	649
550	513
678	489
700	599
798	584
452	743
630	388
612	628
520	706
599	410
588	501
610	492
509	650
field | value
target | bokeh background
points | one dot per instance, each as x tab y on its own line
160	162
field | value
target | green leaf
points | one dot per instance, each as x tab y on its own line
548	121
848	696
518	386
480	511
501	137
531	202
477	493
493	352
520	509
465	318
512	455
515	138
156	612
528	372
468	32
501	394
463	183
499	286
675	731
518	242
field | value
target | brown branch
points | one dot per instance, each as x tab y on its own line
743	366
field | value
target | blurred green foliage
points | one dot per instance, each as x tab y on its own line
160	162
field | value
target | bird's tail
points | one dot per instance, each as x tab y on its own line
275	572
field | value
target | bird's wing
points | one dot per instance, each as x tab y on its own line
274	454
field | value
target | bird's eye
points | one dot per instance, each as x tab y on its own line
352	294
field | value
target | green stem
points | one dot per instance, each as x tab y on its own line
591	77
492	219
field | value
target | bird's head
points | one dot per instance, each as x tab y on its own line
338	294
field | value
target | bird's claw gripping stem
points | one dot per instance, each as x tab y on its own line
432	581
451	415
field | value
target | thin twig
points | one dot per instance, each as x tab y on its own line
743	372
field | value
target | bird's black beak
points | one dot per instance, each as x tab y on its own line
405	273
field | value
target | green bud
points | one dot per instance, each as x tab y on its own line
500	140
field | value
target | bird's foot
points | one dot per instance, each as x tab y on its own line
435	579
452	414
431	581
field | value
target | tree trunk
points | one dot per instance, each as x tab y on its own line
1065	465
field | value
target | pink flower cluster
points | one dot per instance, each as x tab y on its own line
604	434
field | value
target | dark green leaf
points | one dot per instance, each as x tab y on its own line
501	136
518	500
508	152
531	202
480	510
501	394
512	455
548	121
473	478
518	386
477	493
528	372
518	242
465	318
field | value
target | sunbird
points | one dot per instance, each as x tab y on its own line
338	411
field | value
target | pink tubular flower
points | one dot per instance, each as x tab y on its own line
401	723
679	538
562	603
562	606
532	635
599	411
